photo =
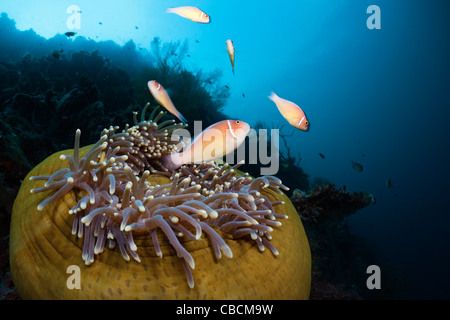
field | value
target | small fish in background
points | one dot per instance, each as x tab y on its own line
243	95
357	166
191	13
322	156
137	28
70	34
291	112
221	138
197	41
230	49
160	94
56	55
388	183
100	23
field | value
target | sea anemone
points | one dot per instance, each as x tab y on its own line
110	193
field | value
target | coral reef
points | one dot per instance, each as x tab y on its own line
7	288
323	289
327	202
50	85
339	257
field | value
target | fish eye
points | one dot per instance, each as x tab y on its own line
306	122
237	122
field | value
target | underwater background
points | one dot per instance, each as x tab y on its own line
377	99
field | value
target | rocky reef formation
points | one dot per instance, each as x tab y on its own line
339	257
326	202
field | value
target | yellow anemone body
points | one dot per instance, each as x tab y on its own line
42	248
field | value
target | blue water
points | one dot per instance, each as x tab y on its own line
379	97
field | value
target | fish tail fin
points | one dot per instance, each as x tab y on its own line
182	119
171	161
272	96
179	116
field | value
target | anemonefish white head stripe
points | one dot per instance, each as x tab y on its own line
291	112
231	130
301	120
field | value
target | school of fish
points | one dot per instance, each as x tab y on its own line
224	136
